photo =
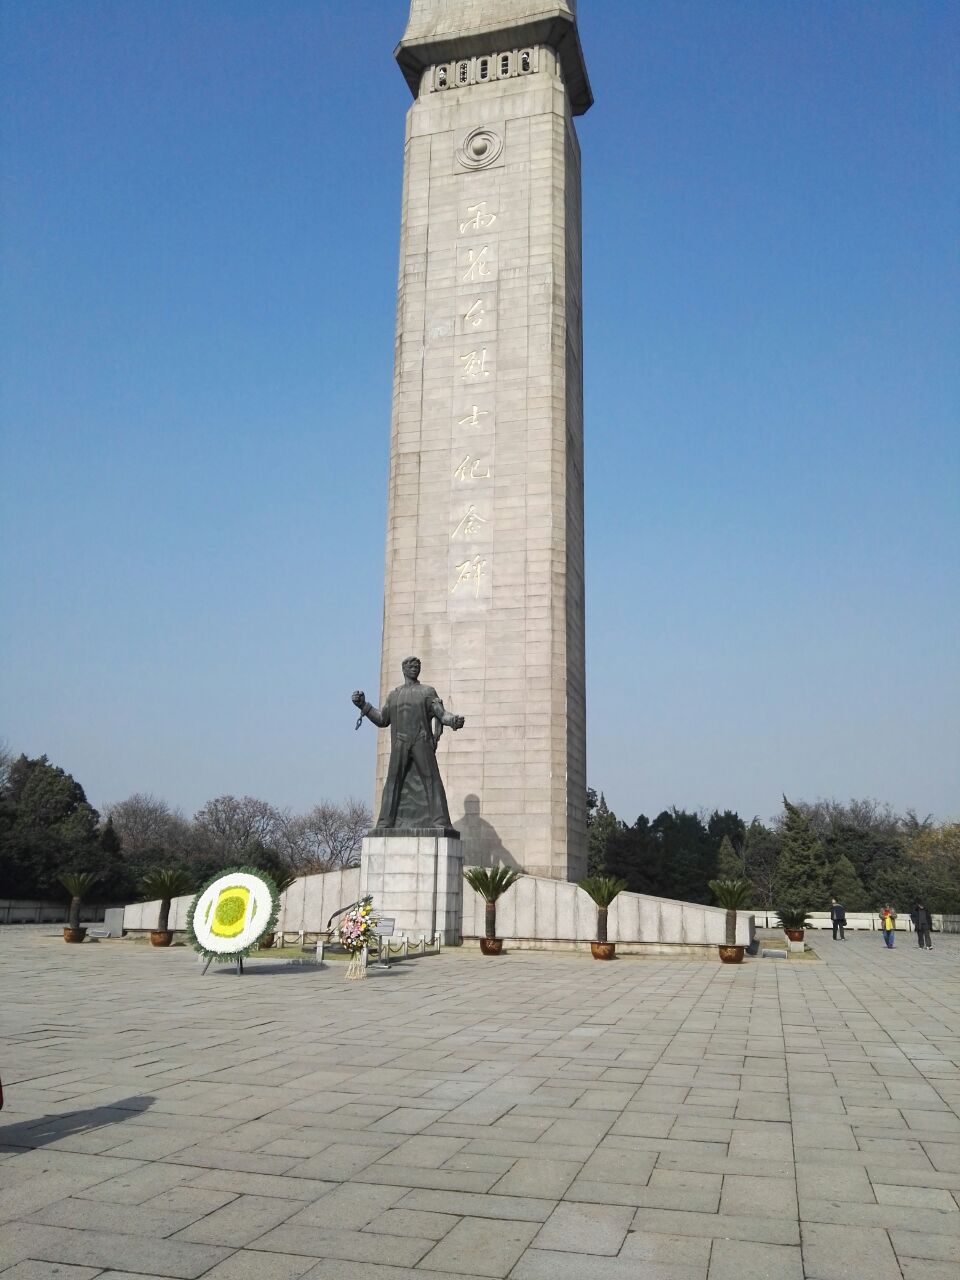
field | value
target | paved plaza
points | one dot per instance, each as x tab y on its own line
539	1117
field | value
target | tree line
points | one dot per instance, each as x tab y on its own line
863	853
48	827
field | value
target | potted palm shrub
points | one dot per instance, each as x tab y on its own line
78	884
491	883
165	884
793	921
603	890
731	895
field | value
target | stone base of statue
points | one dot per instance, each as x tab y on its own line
416	879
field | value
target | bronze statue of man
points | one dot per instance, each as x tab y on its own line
413	796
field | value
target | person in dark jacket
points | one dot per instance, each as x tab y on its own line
838	918
923	923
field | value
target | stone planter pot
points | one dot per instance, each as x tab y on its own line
731	955
491	946
603	950
74	935
161	937
795	935
266	942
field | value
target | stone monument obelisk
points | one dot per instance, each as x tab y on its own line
484	556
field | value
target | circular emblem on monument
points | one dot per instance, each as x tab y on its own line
479	148
232	912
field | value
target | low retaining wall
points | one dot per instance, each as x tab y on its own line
138	916
310	901
306	905
29	911
535	912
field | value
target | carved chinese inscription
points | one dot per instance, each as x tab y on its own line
469	574
476	322
478	266
473	318
475	364
473	417
470	524
478	218
472	469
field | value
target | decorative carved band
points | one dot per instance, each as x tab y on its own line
483	68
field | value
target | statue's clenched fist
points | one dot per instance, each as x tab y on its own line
358	698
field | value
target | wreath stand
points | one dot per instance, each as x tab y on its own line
357	968
210	960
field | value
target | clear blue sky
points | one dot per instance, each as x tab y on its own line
200	235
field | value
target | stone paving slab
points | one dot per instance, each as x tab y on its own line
473	1246
541	1117
105	1250
32	1270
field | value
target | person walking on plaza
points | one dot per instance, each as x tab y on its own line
923	924
888	923
838	918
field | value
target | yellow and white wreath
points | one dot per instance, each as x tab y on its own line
232	912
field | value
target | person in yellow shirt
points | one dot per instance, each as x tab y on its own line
888	923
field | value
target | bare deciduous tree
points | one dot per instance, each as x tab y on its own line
761	849
231	826
147	825
328	837
826	816
236	829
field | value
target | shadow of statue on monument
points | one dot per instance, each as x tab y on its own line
482	844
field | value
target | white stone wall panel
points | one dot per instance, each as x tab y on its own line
551	911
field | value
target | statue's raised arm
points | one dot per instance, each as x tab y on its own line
379	717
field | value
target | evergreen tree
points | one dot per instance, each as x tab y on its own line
603	824
633	855
110	842
872	853
686	855
846	886
900	886
47	798
729	861
49	828
591	805
801	875
729	823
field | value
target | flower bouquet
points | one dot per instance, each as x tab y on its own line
356	933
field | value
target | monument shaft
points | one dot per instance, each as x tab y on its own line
484	555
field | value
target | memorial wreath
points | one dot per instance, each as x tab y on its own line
232	912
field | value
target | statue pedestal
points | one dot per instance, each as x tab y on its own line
417	880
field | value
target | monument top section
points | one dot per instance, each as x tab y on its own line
445	30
